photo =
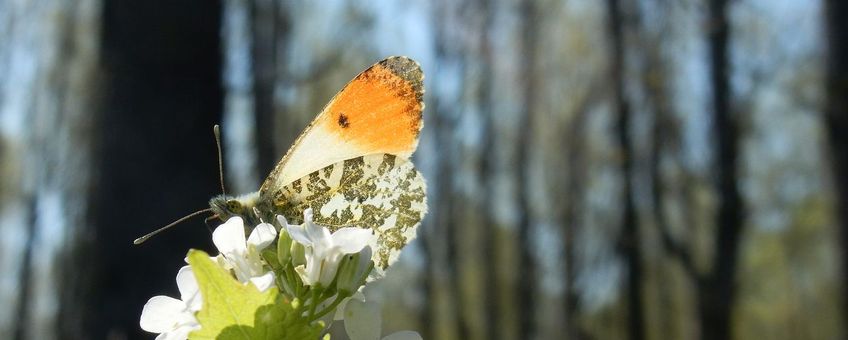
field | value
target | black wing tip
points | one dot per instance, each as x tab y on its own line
408	69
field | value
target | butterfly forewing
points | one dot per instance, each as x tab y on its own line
379	111
380	191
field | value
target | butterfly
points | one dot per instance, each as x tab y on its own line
351	164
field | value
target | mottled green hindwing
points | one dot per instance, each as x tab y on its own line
381	192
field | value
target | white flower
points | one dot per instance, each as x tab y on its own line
174	319
324	250
242	255
362	321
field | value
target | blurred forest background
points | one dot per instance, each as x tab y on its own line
618	169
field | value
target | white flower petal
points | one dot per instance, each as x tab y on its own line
229	237
312	272
307	216
189	291
162	314
352	240
298	234
263	282
316	233
324	250
263	235
403	335
340	309
339	314
328	268
308	278
362	320
242	256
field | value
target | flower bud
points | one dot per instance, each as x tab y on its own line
346	277
284	245
353	270
297	254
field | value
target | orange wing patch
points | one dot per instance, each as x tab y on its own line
380	110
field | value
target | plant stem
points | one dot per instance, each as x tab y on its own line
313	304
329	308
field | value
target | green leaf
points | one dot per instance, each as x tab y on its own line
235	311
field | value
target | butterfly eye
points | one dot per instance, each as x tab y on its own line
234	206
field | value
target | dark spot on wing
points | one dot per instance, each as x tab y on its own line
343	121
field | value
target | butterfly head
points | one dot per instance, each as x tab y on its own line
225	206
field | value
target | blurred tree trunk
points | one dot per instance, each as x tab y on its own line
48	86
836	121
527	288
239	121
717	289
464	265
664	145
572	197
268	34
162	96
629	243
673	266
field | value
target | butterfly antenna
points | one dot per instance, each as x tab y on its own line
217	130
153	233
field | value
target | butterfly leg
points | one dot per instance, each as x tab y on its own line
206	222
258	215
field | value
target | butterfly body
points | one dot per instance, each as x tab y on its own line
351	164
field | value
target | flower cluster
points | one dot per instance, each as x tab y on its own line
311	277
